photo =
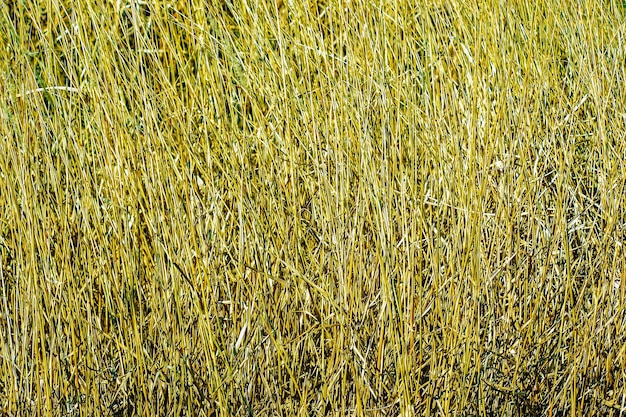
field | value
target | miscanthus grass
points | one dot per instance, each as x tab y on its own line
312	208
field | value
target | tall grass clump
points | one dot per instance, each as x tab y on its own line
317	208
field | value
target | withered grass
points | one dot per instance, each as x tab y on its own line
312	208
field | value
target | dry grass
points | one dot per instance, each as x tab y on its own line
312	208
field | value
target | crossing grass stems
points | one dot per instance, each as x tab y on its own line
312	208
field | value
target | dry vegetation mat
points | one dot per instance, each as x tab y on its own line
312	208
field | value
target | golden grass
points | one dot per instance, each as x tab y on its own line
312	208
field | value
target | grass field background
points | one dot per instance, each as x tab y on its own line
312	208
